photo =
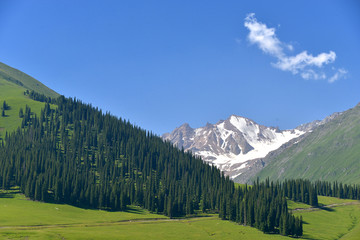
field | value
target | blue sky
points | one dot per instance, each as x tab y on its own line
163	63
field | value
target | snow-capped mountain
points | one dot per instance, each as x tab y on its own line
231	144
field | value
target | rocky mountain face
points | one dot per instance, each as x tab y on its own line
231	144
239	146
308	127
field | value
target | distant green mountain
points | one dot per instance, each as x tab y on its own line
22	79
331	152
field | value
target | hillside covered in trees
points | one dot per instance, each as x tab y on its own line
73	153
76	154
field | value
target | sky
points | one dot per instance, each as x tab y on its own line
160	64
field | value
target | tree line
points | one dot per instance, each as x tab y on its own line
39	96
339	190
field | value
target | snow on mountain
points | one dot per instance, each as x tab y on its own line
231	144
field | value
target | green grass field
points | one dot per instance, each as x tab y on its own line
35	213
24	219
336	222
297	205
331	200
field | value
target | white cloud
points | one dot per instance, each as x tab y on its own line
263	36
304	60
304	64
341	73
311	74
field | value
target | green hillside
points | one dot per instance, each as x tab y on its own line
331	152
22	79
14	96
13	84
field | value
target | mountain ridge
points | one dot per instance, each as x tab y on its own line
230	144
205	142
24	80
330	152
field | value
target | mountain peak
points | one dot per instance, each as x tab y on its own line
237	117
231	143
185	126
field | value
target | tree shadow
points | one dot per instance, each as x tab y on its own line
7	195
327	209
134	210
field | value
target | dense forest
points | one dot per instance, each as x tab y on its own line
339	190
74	153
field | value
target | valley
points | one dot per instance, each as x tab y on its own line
113	147
179	120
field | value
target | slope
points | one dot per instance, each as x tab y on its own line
22	79
331	152
14	96
13	84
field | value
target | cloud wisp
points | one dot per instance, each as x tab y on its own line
304	64
340	73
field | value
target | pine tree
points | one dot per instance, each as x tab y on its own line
21	113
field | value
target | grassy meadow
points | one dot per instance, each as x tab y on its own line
25	219
339	221
21	218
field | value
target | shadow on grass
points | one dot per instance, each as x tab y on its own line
7	195
309	238
134	210
327	209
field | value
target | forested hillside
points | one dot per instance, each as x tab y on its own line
76	154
